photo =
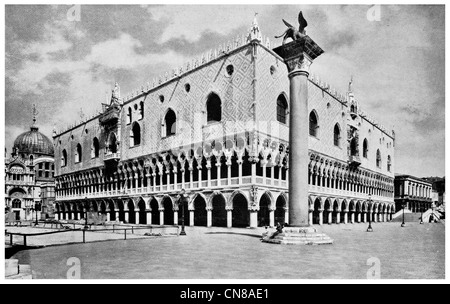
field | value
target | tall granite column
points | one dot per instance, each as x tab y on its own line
298	56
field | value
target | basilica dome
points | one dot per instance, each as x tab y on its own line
33	142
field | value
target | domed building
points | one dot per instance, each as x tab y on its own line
29	178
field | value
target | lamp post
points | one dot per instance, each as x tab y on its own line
421	214
182	197
36	207
369	229
403	221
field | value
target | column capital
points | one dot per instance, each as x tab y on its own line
299	54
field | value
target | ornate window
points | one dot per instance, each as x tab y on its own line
95	149
389	163
214	108
365	148
313	124
337	135
64	158
170	122
16	203
378	158
354	147
135	135
141	110
112	143
282	106
78	154
129	115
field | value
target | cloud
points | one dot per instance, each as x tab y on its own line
121	53
190	22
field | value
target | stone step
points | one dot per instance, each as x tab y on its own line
20	276
24	269
11	267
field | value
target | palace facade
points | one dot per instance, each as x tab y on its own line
218	128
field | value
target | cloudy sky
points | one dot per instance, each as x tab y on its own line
62	64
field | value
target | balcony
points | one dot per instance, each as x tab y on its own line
354	160
112	157
110	116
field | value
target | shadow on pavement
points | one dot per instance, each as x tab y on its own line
237	233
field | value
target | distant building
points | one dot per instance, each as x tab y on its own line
438	189
30	177
414	193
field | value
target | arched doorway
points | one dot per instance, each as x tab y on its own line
200	215
343	208
334	218
358	213
264	212
112	213
280	211
316	212
103	209
155	212
240	211
168	211
142	212
121	211
326	212
219	214
131	212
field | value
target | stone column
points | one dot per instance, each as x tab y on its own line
191	218
175	217
208	217
298	56
272	218
57	216
154	181
108	216
338	217
149	217
345	217
239	172
127	216
310	219
364	219
253	218
320	217
330	217
229	218
161	217
117	216
358	218
218	165
136	216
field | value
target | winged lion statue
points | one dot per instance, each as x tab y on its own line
292	32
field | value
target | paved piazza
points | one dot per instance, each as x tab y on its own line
414	252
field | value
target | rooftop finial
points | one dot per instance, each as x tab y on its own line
350	84
115	96
254	33
35	113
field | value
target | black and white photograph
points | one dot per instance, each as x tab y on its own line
207	142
